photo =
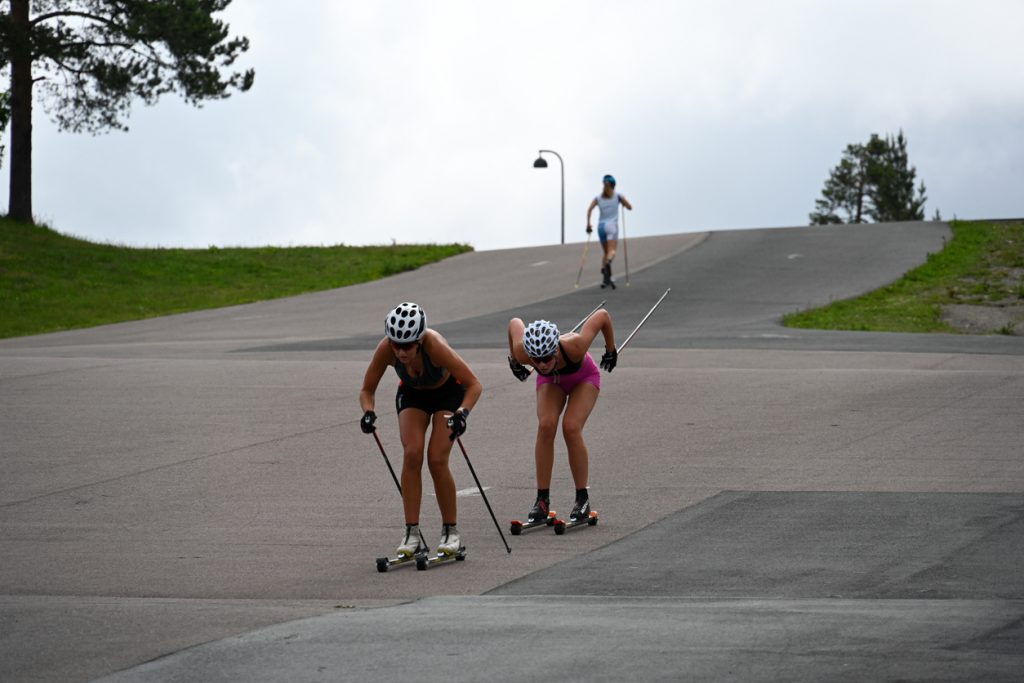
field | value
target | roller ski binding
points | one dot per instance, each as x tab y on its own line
540	515
581	514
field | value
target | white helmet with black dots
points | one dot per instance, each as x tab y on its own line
406	323
540	338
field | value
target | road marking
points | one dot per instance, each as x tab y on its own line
466	493
793	256
539	263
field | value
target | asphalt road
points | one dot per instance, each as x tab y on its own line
194	492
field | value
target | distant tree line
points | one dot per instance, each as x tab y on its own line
873	182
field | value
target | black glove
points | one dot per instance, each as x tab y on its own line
521	372
609	359
589	229
366	424
457	423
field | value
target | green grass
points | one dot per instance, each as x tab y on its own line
50	282
983	264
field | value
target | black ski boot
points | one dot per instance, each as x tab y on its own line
582	514
580	511
606	271
539	513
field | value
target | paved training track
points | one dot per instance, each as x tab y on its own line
774	503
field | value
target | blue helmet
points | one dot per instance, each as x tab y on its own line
609	179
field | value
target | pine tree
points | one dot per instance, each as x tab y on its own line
844	190
872	181
892	188
92	58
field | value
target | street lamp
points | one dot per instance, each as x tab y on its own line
542	163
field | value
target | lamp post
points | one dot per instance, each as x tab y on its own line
542	163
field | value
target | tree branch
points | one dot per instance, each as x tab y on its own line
95	43
73	13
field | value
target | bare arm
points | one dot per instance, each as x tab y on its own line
590	210
578	344
382	358
516	328
444	355
625	202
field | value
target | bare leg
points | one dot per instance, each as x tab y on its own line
581	404
439	450
550	401
412	426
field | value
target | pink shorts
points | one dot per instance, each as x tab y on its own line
587	373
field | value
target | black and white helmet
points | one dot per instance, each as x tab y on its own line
540	339
406	323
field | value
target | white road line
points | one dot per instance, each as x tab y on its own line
465	493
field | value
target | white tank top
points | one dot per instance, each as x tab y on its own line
609	208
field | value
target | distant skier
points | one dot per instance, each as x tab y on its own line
435	384
607	225
567	379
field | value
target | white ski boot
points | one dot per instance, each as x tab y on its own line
450	542
412	542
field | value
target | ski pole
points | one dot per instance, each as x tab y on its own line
483	495
582	261
587	317
625	246
635	329
390	469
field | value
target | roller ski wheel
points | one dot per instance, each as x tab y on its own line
385	564
561	526
425	562
518	527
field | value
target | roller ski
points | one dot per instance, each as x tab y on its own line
540	515
450	549
411	551
581	514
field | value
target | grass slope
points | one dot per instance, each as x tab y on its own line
51	282
982	265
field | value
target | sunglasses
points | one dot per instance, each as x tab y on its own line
403	346
544	359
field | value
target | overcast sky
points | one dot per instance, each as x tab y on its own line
420	121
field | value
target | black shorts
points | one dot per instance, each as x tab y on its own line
447	397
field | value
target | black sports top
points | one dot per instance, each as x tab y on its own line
571	366
430	377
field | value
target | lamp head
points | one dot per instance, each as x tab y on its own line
540	163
